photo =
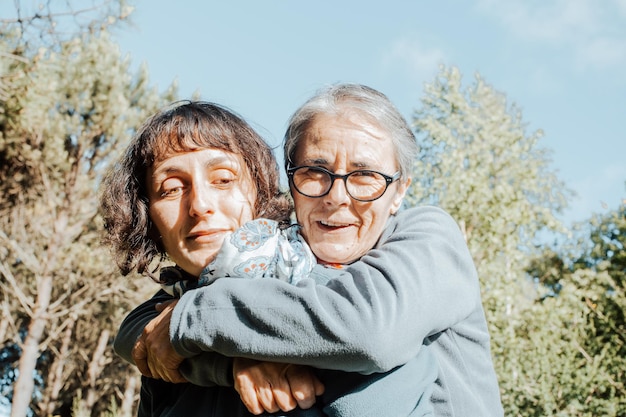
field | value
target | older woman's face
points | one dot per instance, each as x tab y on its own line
195	199
338	228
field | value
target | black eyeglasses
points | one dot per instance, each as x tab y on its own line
361	185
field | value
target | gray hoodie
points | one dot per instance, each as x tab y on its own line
417	291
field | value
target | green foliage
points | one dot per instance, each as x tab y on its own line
556	320
607	242
574	335
67	109
554	364
68	105
477	162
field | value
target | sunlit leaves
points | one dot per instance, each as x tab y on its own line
556	317
68	106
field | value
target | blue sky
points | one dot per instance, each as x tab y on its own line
561	61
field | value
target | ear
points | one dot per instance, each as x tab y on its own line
400	192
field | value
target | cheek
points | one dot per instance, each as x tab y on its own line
246	213
243	199
237	206
372	222
162	218
299	204
303	208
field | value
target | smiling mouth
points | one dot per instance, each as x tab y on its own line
207	237
326	225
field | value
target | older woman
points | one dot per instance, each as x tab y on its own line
409	284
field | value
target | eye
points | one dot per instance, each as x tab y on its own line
172	192
314	172
365	178
223	178
171	187
364	173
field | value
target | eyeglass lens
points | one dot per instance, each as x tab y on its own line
361	185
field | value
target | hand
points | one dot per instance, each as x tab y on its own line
269	386
153	352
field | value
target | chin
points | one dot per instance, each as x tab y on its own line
335	258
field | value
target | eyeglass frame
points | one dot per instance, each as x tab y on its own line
389	179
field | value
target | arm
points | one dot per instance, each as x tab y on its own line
205	369
419	280
133	324
262	385
145	326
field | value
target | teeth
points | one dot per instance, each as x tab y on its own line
330	224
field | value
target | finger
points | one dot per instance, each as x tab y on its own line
282	394
166	373
249	399
245	388
319	387
140	356
154	365
162	360
154	369
173	376
159	370
263	384
266	398
305	386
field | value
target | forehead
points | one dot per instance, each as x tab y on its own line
170	142
348	135
207	158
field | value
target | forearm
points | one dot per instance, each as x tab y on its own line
419	281
132	326
206	369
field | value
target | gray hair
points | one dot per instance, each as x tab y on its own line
372	104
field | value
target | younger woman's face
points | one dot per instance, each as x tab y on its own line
195	199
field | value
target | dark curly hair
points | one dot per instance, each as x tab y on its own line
184	126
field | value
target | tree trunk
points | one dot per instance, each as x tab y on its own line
4	324
95	368
25	384
128	401
55	377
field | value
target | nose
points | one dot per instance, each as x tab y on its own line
338	194
201	200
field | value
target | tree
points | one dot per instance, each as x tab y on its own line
67	107
478	162
580	369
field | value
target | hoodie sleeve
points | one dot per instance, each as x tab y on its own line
368	317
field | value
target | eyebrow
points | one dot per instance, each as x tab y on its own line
322	161
315	161
210	163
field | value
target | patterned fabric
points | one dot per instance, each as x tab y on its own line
258	249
